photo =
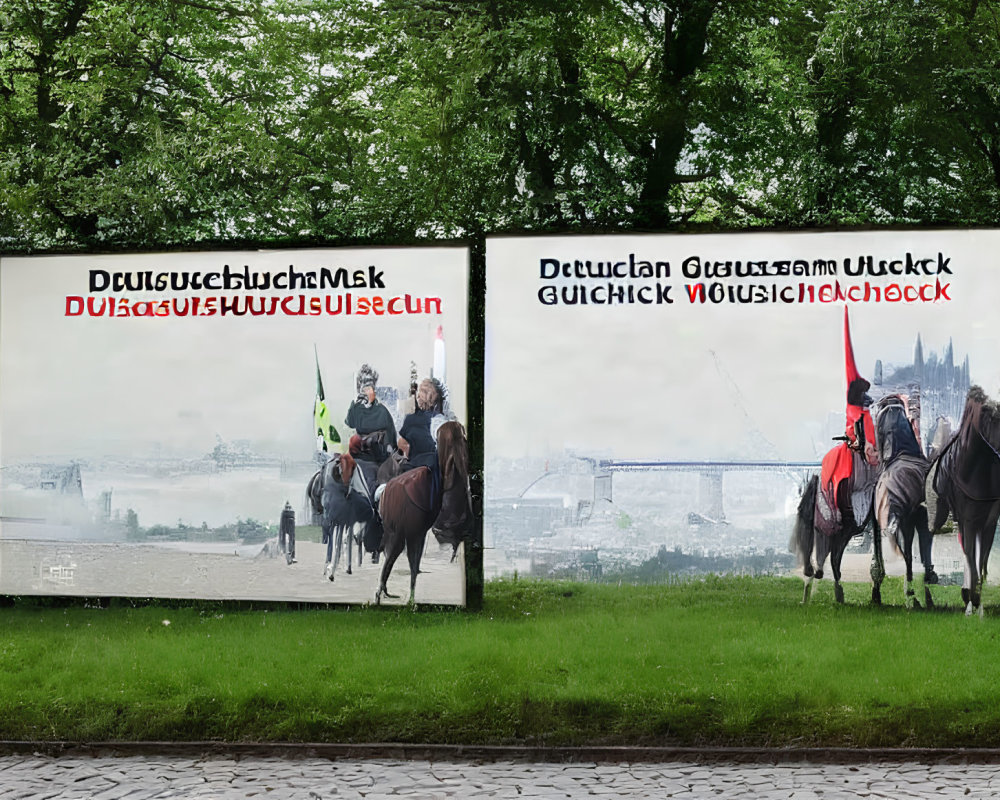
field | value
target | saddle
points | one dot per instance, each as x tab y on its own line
363	480
415	483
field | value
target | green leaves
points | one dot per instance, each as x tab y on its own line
125	125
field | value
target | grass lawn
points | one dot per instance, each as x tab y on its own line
720	661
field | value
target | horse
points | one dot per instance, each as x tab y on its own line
409	508
965	479
341	507
828	517
900	511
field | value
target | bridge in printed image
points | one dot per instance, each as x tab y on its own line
711	495
711	504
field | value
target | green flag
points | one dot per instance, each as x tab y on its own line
326	434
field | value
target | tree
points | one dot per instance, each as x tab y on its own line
182	121
109	118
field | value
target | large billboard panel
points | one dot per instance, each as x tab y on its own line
160	415
662	397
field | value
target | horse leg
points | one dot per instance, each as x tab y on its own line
926	544
970	576
414	552
349	533
909	595
803	538
988	534
838	546
339	536
967	587
878	566
328	541
822	547
394	545
897	533
979	573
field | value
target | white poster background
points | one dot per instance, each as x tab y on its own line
122	394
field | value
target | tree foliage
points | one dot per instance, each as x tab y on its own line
184	121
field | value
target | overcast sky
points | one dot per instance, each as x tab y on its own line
688	380
77	386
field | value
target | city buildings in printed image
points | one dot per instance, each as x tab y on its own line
589	516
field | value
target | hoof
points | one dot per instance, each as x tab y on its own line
930	576
876	597
928	601
838	592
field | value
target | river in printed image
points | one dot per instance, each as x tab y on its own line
203	499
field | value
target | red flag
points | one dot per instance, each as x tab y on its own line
851	366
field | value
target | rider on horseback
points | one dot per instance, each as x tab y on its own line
838	465
860	428
417	447
371	420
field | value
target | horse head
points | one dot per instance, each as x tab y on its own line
894	433
989	425
339	469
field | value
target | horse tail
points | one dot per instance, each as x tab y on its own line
804	532
314	495
937	487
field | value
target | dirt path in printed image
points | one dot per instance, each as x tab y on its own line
92	569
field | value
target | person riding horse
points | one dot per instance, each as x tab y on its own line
372	421
857	450
416	444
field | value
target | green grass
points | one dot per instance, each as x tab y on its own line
723	661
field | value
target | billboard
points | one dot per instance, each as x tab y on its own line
661	398
161	415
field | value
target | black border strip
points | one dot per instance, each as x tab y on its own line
401	751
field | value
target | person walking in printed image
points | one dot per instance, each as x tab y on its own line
286	533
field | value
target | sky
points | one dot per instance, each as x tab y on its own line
689	380
74	386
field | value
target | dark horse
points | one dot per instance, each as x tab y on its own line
342	507
409	509
965	482
828	518
900	511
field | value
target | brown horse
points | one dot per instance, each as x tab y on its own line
965	482
409	508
